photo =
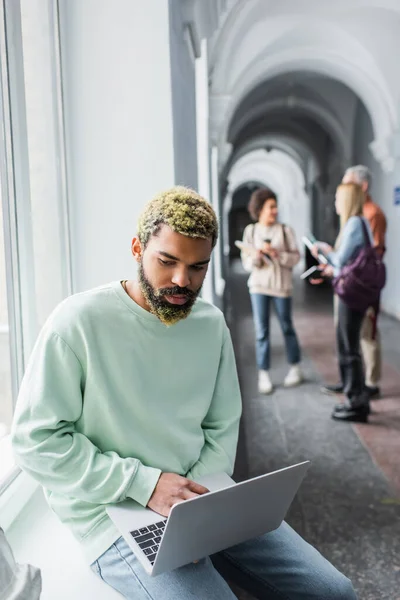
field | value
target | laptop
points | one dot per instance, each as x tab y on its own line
229	514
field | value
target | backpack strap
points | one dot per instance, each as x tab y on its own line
365	232
285	241
253	230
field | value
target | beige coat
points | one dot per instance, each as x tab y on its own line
273	278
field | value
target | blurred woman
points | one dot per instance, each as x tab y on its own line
351	240
269	253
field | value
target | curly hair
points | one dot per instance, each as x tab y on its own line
257	201
183	210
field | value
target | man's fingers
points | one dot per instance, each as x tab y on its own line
187	494
197	488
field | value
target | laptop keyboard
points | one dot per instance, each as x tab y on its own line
149	539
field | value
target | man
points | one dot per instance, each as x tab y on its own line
132	392
370	339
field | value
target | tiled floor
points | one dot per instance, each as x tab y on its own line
349	504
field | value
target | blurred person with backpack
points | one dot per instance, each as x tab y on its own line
269	253
358	277
370	338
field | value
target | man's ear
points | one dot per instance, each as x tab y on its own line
136	249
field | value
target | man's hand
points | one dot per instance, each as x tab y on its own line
170	490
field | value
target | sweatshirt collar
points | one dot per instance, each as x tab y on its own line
134	306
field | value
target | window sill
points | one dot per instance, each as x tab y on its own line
8	467
38	538
15	496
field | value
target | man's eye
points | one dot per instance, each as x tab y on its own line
165	263
198	267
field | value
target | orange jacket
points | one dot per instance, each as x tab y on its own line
377	220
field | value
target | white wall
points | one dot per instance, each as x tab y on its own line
383	193
118	104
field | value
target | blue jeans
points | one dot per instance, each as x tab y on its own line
261	311
277	566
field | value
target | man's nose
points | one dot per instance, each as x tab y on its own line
181	277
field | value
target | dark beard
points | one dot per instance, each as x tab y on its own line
169	314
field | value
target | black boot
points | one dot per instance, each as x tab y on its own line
332	390
355	409
336	388
346	412
373	391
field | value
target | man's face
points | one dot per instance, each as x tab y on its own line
352	178
172	269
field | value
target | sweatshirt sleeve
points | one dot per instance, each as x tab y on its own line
221	424
291	256
248	261
50	449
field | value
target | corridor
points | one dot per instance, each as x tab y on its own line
103	105
349	504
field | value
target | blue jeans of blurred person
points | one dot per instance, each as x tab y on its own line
261	304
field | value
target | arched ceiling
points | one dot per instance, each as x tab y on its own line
280	172
296	149
275	168
330	104
262	48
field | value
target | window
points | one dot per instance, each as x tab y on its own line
6	400
5	366
35	272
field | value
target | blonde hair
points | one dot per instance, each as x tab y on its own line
351	198
183	210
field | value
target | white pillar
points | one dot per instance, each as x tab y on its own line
203	148
202	117
226	209
219	280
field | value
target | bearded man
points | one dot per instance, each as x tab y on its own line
132	392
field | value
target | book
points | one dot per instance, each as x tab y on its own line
310	244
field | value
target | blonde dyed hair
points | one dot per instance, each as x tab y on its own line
183	210
350	198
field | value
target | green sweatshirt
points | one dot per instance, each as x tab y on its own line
112	397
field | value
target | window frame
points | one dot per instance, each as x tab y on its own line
9	207
15	182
